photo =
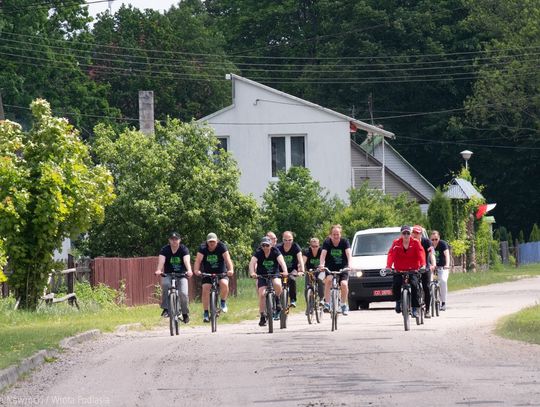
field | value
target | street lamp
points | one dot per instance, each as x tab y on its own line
466	154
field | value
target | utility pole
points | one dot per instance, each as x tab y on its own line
146	111
2	116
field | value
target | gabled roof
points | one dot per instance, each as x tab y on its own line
462	189
359	124
369	145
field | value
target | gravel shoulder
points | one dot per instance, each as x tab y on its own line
369	361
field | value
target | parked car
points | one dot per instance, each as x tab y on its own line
369	250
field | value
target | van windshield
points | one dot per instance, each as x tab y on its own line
373	245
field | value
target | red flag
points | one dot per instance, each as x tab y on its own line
482	209
352	127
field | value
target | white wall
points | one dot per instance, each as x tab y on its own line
327	143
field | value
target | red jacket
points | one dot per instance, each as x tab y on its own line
405	260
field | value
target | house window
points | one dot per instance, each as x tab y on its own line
223	143
287	151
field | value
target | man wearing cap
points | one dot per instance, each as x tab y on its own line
430	266
267	260
174	258
214	257
406	254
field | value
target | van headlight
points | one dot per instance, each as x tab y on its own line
357	273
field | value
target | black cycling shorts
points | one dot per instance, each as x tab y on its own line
344	276
262	282
208	280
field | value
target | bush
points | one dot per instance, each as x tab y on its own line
101	296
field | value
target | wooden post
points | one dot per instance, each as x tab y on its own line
516	252
2	116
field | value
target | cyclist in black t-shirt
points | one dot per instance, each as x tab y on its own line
174	258
267	260
442	255
312	258
336	255
292	254
213	257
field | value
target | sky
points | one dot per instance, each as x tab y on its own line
98	7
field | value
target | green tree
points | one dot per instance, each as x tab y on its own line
521	237
169	181
49	190
440	215
370	208
177	54
535	234
295	202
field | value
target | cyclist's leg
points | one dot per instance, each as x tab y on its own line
443	281
261	288
415	288
224	288
344	284
320	284
184	296
327	285
426	279
397	281
277	286
205	295
292	288
165	285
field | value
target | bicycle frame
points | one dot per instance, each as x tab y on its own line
312	284
270	298
215	308
335	295
405	296
174	308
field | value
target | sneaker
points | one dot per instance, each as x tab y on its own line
398	307
428	315
165	313
206	317
321	303
262	321
224	307
293	304
345	309
414	312
443	307
276	315
326	308
185	318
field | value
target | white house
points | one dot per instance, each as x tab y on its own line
267	130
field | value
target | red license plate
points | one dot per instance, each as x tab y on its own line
380	293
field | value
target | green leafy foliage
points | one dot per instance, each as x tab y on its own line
169	181
296	202
370	208
440	215
49	190
535	234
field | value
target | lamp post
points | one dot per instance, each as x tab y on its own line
466	154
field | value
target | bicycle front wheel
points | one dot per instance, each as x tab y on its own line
270	312
334	308
310	306
405	309
213	310
438	300
433	302
284	308
173	310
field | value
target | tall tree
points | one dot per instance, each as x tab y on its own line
440	215
49	190
169	181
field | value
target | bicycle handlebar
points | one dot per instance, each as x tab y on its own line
214	274
389	272
343	270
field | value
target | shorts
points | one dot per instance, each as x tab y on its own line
208	280
261	282
344	276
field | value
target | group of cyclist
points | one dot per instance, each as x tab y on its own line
409	252
413	252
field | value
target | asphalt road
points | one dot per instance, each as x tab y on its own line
454	360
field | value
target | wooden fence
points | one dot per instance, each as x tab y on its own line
138	278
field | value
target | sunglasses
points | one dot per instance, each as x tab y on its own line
287	240
406	233
265	245
434	240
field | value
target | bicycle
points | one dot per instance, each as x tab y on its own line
285	304
215	309
335	301
313	301
174	303
270	298
406	296
435	291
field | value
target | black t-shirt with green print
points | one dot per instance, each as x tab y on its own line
213	261
336	258
267	265
174	262
290	257
312	261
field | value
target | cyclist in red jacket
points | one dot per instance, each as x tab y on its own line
406	254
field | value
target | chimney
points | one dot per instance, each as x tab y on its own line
146	111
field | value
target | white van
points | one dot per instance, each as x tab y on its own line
369	250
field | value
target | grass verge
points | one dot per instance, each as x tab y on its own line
461	281
522	326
